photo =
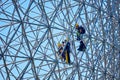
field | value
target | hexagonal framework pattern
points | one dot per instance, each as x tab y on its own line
31	29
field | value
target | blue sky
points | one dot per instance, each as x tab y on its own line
30	31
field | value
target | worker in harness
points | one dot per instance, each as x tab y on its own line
60	50
80	32
64	51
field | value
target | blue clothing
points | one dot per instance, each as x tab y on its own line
82	46
82	30
65	50
68	51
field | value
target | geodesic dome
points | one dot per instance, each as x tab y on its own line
31	29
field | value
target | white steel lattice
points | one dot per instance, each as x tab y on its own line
31	29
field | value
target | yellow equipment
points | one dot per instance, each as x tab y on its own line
76	25
59	45
66	55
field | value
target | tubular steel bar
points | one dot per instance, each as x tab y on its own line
31	29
